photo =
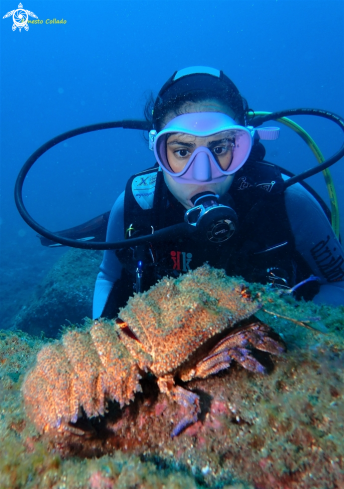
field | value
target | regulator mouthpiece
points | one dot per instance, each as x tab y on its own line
215	221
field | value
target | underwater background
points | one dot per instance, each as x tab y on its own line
99	65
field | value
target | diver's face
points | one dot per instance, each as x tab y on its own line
180	145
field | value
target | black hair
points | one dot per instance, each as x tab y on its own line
194	88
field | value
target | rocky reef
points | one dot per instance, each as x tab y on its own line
282	430
63	297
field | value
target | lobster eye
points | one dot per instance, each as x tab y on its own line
126	330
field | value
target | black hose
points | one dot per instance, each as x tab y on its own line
258	120
181	229
172	231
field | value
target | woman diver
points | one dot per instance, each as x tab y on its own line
211	172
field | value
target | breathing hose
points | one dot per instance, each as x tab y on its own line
335	218
256	119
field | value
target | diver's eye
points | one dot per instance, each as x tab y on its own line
182	153
223	149
220	150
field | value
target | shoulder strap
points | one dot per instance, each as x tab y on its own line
139	200
143	187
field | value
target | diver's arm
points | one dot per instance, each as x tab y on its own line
111	268
317	244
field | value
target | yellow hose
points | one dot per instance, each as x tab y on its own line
335	221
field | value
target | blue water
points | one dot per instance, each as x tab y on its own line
100	65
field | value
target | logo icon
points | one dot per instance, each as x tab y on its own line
20	18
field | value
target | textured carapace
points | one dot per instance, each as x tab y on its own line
192	326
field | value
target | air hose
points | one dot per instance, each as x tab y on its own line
278	117
256	119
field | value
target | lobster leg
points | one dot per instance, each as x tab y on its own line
236	346
187	399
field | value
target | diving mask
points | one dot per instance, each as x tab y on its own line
217	147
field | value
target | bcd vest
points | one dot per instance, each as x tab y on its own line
261	250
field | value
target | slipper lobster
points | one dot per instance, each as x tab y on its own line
184	328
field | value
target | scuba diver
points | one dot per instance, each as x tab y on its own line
211	173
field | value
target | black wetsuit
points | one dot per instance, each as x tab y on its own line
282	237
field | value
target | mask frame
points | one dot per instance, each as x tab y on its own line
202	165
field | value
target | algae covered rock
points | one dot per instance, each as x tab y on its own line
282	430
64	296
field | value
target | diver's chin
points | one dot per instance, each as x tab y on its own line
188	204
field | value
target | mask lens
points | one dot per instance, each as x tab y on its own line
180	147
222	149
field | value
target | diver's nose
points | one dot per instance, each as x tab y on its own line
201	167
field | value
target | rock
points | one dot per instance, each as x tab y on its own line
64	296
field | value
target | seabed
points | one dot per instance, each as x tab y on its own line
283	430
